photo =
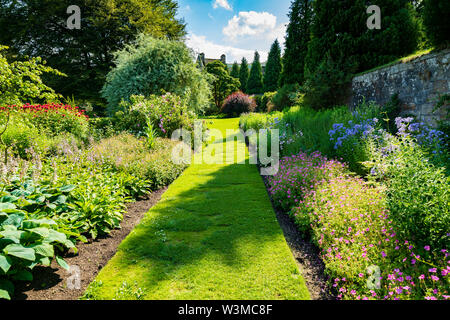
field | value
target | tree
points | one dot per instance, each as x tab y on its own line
235	70
297	38
20	81
154	66
342	43
436	21
38	28
255	80
243	75
273	68
223	84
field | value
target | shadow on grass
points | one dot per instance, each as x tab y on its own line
216	223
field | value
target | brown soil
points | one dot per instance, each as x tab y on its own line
306	254
50	283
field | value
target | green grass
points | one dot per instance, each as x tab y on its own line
406	59
214	235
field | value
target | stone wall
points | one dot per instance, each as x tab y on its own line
419	84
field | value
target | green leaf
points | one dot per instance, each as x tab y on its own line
3	216
23	275
44	249
55	236
19	251
5	263
62	263
14	219
4	294
42	232
34	223
45	261
6	289
67	188
7	205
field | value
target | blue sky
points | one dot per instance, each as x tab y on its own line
234	27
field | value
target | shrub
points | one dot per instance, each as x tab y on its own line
285	97
266	102
26	242
417	191
19	136
151	65
167	113
53	119
238	103
364	256
300	174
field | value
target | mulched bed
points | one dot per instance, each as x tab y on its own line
50	283
306	254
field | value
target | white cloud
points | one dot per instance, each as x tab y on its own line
223	4
254	25
212	50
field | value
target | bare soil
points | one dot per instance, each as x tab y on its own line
50	283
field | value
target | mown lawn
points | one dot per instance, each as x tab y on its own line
214	235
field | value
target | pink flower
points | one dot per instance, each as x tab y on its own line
422	276
427	248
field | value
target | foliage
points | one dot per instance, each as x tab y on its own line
168	113
298	175
52	119
223	84
273	68
255	80
417	191
285	97
25	242
342	45
244	73
364	255
20	81
238	103
267	102
85	55
235	70
436	16
150	65
297	38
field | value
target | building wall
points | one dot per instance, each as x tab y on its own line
419	84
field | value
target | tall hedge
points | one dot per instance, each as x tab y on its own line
235	71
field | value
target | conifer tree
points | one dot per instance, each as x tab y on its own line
273	68
235	70
243	75
297	38
255	80
436	21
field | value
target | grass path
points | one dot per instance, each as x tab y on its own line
213	235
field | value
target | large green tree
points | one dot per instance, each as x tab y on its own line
244	74
342	44
436	21
273	68
297	39
255	79
223	84
39	28
235	70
